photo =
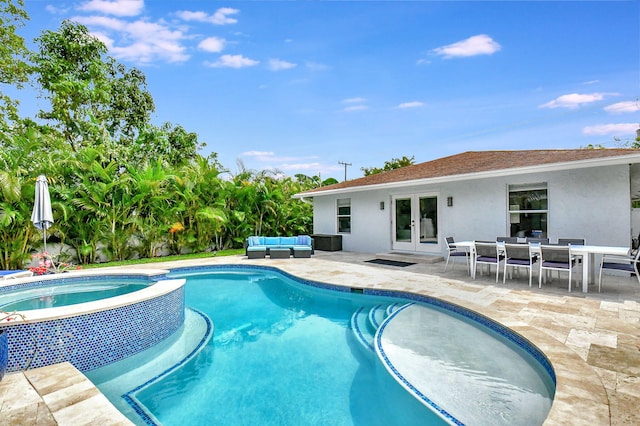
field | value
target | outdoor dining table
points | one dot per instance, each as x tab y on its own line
586	252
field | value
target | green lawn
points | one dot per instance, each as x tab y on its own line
231	252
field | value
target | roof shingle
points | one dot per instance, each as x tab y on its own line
479	161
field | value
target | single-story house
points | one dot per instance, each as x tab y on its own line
566	193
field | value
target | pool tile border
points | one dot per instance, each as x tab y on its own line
130	397
512	336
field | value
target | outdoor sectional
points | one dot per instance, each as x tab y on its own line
279	247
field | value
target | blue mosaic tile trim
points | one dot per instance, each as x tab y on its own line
79	279
130	398
90	341
359	333
444	414
4	354
478	318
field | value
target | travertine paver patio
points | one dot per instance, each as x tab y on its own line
593	340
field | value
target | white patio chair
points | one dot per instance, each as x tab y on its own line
620	263
453	251
518	256
556	258
486	253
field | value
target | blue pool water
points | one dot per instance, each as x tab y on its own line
283	353
69	291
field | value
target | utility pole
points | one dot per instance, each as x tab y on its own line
345	168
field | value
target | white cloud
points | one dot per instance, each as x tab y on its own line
623	107
220	17
139	41
611	129
114	24
258	154
279	65
353	100
575	100
212	44
476	45
355	108
232	61
56	10
414	104
270	156
301	166
114	7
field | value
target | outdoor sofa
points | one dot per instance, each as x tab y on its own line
299	246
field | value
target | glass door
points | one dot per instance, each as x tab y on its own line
415	223
403	224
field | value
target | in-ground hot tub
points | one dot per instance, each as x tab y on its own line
94	333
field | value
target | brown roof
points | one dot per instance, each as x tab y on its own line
477	162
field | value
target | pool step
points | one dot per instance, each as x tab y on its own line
393	307
377	314
365	323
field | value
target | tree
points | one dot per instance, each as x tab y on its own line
94	99
14	70
394	163
172	143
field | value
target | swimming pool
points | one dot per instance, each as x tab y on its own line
284	352
94	332
69	291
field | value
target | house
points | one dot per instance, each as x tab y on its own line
577	193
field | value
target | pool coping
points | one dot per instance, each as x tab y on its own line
581	397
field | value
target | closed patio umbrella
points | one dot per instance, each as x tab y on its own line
42	216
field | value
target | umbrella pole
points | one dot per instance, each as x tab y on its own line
45	239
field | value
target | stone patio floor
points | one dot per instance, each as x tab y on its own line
592	340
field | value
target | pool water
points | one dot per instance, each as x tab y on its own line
65	292
283	353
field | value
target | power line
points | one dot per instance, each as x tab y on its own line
345	168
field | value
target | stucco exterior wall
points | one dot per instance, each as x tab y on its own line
591	203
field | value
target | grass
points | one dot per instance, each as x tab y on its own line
231	252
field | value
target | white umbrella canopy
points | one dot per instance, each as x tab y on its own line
42	216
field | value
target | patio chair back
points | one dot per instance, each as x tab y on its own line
517	256
510	240
487	253
556	258
571	241
517	251
538	240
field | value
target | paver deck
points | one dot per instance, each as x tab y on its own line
592	340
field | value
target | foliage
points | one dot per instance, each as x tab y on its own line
14	70
122	188
394	163
94	100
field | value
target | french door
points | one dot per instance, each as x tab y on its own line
415	223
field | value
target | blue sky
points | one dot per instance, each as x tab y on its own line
302	85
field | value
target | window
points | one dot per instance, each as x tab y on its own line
528	209
344	215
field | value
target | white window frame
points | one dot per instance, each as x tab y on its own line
343	202
515	211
